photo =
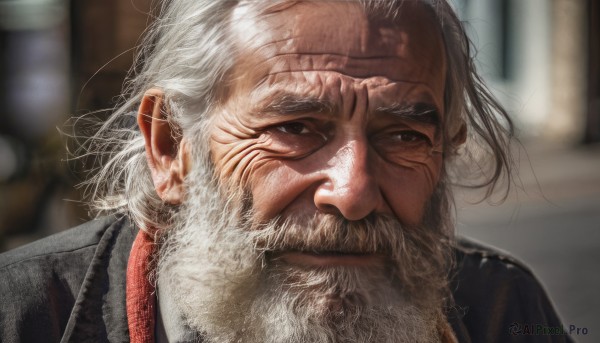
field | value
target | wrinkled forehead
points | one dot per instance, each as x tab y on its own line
349	30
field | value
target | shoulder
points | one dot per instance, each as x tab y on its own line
494	291
478	260
487	280
77	238
39	282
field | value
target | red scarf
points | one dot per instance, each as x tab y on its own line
141	299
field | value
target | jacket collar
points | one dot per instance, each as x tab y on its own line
99	313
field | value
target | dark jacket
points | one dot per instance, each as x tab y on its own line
70	287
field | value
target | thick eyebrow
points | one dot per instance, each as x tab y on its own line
293	104
420	112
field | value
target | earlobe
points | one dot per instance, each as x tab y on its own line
163	153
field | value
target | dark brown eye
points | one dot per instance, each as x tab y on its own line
403	145
294	128
294	139
409	137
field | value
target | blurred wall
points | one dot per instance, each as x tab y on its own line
105	34
538	57
592	133
59	58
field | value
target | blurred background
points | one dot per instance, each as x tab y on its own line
541	58
58	59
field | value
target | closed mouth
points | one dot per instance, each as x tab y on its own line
327	258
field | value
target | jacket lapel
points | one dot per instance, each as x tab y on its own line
99	314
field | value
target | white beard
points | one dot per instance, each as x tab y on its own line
216	266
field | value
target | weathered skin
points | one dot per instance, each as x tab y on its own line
341	158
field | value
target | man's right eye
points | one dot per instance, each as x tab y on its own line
295	139
294	128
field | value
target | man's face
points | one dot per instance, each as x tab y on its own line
332	111
331	125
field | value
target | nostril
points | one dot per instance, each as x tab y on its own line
328	209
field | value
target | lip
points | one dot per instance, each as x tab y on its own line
329	259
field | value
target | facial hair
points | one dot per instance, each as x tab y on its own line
222	270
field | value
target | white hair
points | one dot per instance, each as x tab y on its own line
188	51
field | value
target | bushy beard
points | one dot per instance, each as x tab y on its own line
222	272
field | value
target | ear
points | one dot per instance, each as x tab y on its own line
165	151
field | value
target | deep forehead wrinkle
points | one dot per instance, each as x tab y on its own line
370	34
283	33
395	68
294	104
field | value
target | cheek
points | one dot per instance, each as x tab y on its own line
235	149
277	186
246	163
236	160
407	189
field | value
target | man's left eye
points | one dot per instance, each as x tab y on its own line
410	137
294	128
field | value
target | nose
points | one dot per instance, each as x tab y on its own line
350	187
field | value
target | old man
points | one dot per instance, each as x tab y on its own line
287	181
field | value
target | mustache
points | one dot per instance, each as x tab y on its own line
374	234
416	255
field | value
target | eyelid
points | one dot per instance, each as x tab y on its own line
310	123
289	145
405	128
